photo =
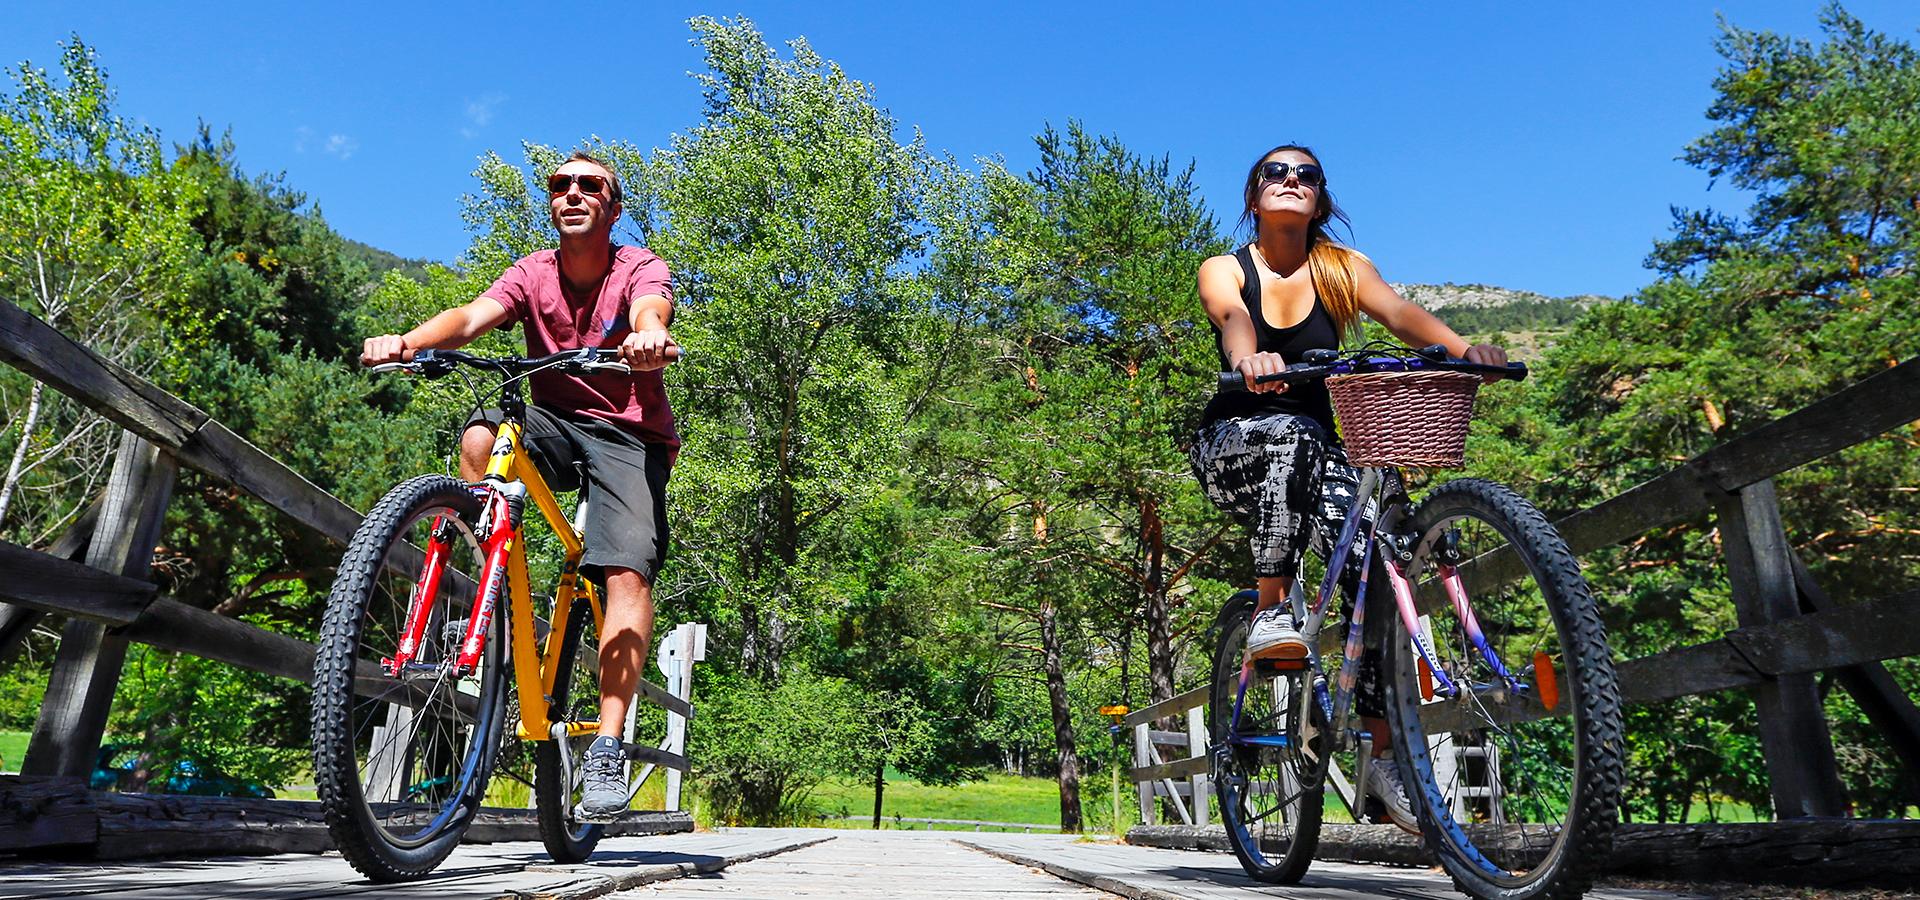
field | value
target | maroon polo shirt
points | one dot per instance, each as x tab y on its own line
555	317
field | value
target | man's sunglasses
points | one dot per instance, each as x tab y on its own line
1308	173
560	183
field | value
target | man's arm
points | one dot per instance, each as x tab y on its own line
646	348
447	330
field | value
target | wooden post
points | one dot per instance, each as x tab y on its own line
1142	757
683	646
86	670
1793	724
1886	705
1197	746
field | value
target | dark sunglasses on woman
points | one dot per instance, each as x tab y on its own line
559	183
1308	173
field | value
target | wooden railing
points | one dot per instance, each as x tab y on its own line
1789	630
96	574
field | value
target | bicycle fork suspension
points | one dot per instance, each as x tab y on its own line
1431	671
420	604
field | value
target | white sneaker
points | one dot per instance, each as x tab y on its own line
1273	636
1383	781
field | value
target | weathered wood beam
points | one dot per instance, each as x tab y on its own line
1173	705
52	358
1836	638
46	583
17	622
1179	768
166	421
659	697
1875	405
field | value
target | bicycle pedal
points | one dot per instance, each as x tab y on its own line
1269	666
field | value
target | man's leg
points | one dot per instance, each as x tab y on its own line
625	632
476	445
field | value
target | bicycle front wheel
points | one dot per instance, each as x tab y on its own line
1505	708
576	704
401	760
1269	769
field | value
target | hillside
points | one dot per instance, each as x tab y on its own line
1523	321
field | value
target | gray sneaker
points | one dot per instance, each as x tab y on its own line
1383	781
603	796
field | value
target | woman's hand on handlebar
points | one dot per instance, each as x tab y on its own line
1254	365
1486	355
649	349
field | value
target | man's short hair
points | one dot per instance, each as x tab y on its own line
584	156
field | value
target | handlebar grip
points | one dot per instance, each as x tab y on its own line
1233	381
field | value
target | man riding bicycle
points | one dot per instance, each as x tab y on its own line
610	436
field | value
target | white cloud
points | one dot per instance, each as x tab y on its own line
479	113
341	145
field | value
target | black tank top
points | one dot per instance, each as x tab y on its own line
1316	331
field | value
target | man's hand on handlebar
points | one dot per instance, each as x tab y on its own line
386	348
1255	365
648	349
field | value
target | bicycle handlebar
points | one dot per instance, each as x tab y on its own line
584	361
1322	364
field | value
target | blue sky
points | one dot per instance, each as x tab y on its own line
1528	145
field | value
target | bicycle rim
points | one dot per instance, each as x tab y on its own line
1516	772
420	743
1269	779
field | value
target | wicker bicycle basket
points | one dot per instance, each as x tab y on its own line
1415	420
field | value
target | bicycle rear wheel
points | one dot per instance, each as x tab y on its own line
1516	776
576	700
401	762
1269	772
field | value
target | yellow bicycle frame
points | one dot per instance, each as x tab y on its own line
534	668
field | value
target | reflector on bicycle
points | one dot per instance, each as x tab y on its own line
1544	679
1426	680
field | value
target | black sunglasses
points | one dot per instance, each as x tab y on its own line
1308	173
560	183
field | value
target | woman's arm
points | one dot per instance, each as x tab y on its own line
1412	325
1220	293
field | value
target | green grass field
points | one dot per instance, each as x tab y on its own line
13	749
1000	798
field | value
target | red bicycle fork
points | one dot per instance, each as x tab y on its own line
497	547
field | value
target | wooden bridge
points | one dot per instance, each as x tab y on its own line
763	863
95	577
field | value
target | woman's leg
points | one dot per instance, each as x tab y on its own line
1263	471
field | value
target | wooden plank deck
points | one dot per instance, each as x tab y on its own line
1143	873
881	865
519	869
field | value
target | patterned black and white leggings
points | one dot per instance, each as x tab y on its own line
1283	477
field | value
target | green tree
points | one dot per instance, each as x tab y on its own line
790	214
94	227
1753	316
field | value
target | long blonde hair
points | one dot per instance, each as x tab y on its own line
1329	262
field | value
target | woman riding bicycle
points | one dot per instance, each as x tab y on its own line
1269	455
